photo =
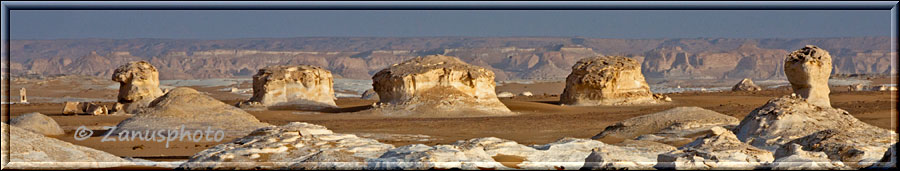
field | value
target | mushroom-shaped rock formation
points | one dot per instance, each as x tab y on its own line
721	149
437	86
608	80
793	120
30	151
192	110
138	85
292	86
676	126
746	85
37	123
808	70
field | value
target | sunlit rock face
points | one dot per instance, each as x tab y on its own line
138	85
746	85
608	80
437	85
299	86
808	70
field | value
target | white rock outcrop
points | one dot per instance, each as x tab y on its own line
608	80
292	146
37	123
293	86
505	94
808	70
526	94
369	94
75	108
437	86
31	151
719	150
793	120
795	158
629	155
193	110
488	153
675	126
746	85
138	85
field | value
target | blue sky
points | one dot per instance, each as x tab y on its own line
629	24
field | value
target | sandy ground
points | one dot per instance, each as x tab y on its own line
540	119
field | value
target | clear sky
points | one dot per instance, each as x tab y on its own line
228	24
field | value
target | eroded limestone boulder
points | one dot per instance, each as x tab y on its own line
505	94
31	151
608	80
746	85
676	126
138	84
75	108
795	158
292	146
628	155
808	70
37	123
187	107
793	120
488	153
437	86
293	86
721	149
369	94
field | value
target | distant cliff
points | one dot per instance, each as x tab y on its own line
509	58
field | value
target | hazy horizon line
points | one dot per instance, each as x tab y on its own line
246	38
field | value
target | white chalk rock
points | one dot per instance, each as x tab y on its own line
292	86
808	70
609	80
719	150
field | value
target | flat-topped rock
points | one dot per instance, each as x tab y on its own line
187	107
292	86
808	70
437	86
608	80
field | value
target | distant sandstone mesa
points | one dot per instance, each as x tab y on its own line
301	86
138	85
609	80
437	85
808	70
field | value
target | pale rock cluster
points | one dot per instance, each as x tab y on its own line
676	126
437	86
721	149
608	80
75	108
28	150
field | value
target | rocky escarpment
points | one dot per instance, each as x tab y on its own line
439	86
27	150
138	85
191	110
293	86
609	80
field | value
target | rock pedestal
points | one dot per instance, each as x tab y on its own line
437	85
293	86
609	80
23	98
808	70
138	84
